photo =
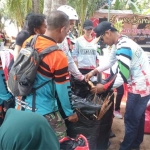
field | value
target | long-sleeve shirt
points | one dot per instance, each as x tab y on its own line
4	93
72	68
133	66
85	53
53	68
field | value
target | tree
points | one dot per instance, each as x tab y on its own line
36	6
1	24
17	10
50	5
137	6
85	9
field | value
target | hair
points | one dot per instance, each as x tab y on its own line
35	21
25	26
57	19
29	15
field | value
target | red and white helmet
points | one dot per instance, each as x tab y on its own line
68	10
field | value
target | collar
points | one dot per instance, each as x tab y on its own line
47	37
120	37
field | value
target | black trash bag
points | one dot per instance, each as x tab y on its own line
79	88
70	144
96	131
86	105
82	88
89	128
87	124
105	127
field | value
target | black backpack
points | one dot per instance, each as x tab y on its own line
23	72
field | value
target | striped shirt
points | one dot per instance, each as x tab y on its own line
133	66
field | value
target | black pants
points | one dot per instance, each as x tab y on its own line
120	92
85	71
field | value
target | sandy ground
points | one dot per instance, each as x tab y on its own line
118	129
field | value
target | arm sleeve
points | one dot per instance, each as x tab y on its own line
111	60
73	69
114	68
97	58
124	56
4	93
63	88
75	52
21	37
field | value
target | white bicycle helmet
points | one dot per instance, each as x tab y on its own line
68	10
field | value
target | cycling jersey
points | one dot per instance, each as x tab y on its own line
85	53
133	66
72	68
53	68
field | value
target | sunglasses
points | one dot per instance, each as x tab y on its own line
101	37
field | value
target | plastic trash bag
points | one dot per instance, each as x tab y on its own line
86	105
79	143
89	128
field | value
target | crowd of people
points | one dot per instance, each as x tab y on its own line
79	58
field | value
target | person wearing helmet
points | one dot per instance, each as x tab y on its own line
72	68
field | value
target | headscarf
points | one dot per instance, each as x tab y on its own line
26	131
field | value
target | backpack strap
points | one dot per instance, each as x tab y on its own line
34	94
32	41
42	55
48	50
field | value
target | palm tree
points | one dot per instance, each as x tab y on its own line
36	6
85	9
17	10
50	5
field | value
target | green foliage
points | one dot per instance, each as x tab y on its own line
85	9
136	6
118	25
17	10
146	12
1	15
118	5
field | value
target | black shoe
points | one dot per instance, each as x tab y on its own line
137	148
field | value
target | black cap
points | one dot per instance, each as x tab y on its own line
102	27
88	24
